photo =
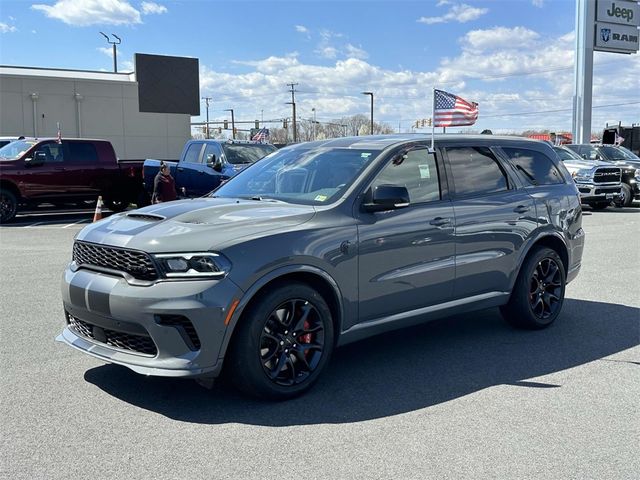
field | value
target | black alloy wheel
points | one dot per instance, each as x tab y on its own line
292	342
538	294
282	343
545	289
8	205
626	196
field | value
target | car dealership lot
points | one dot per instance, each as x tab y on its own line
463	397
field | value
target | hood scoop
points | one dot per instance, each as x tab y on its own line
149	217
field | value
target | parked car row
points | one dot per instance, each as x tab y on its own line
604	174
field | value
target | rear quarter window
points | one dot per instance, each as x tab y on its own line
535	167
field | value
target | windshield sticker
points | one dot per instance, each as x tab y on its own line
320	198
365	154
424	171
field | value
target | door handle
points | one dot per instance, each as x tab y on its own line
180	169
521	209
439	221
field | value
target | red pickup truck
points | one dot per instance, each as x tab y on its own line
45	170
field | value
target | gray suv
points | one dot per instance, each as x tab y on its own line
321	244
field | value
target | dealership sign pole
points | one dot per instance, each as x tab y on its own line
605	26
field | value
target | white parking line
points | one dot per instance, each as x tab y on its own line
34	224
76	223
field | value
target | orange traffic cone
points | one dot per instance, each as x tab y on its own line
98	215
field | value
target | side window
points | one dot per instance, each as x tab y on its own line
417	172
476	171
536	167
193	153
82	152
54	153
210	150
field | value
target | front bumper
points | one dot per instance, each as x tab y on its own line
138	327
598	192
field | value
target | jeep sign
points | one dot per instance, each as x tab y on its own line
621	12
616	38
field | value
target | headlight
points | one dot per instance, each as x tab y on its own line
583	175
204	265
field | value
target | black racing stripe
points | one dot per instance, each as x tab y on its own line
76	295
99	302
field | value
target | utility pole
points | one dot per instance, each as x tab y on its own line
117	41
293	103
371	95
314	122
233	123
206	101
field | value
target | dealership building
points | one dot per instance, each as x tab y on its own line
144	114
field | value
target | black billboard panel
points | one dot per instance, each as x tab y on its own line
168	84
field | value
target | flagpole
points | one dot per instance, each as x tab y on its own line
433	119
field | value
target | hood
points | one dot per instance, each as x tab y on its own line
200	224
574	165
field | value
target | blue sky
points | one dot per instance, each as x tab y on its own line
511	56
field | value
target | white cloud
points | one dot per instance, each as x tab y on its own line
538	3
91	12
352	51
327	52
460	12
149	8
108	51
499	37
4	28
302	29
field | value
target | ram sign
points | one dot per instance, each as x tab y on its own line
611	37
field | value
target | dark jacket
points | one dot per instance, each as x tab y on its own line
164	188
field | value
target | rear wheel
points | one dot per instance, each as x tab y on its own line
283	343
8	205
537	297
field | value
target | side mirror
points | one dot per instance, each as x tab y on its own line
215	163
388	197
584	155
38	159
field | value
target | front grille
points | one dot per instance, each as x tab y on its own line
137	264
606	175
125	341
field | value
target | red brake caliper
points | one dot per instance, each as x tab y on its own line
306	338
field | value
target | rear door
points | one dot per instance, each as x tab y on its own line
406	256
494	216
84	160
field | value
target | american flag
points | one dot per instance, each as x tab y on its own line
451	110
261	136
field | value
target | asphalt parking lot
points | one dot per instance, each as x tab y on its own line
464	397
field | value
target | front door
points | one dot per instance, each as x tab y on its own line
406	256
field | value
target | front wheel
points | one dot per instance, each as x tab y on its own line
626	196
283	343
8	205
116	204
537	296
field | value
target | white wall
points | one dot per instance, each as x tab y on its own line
108	110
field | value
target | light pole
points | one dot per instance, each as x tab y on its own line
233	123
371	95
314	122
206	101
117	41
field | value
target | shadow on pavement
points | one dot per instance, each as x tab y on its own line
401	371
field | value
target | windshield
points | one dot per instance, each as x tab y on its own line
303	175
565	154
15	150
612	153
237	153
628	153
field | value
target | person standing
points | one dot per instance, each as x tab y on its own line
164	186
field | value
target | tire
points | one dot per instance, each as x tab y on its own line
116	204
626	196
599	205
8	205
268	358
538	294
